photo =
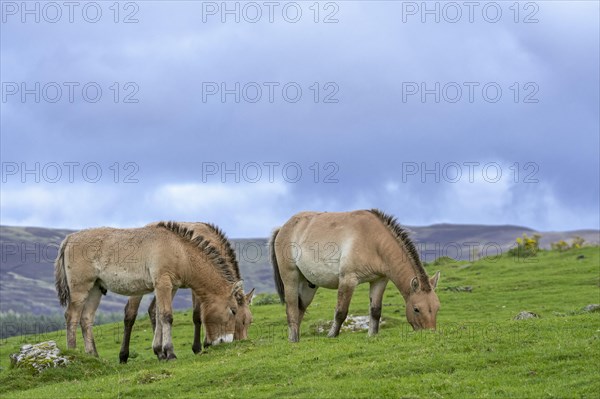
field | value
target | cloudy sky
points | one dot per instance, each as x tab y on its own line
244	113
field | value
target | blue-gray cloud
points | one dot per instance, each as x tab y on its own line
359	150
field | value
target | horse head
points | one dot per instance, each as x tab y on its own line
422	304
219	316
243	318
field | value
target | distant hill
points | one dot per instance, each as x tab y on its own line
28	253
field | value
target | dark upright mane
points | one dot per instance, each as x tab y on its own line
213	254
403	238
229	253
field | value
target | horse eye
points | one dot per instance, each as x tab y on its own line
416	310
233	311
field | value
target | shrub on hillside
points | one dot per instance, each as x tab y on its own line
577	242
265	299
526	246
562	245
443	260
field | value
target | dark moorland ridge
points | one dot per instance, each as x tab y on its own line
28	253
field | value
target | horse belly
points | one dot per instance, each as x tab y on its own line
123	284
321	274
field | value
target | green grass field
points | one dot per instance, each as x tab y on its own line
478	350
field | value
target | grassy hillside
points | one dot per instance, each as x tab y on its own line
28	253
27	272
478	350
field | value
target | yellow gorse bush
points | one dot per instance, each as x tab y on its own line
562	245
526	246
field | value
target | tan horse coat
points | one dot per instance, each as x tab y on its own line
340	251
134	262
243	317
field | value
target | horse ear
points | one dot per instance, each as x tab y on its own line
414	284
249	296
434	280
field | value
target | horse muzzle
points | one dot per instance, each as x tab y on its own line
227	338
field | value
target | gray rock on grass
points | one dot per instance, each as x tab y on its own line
524	315
592	307
38	357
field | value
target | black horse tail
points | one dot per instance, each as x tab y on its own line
60	276
276	275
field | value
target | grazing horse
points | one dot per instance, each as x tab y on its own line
340	251
243	317
130	262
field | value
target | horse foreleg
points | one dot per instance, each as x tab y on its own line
157	341
164	318
131	311
87	319
375	298
158	337
345	291
197	319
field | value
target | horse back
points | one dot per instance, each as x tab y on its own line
324	245
125	261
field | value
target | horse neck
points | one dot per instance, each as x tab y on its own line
204	279
399	268
223	246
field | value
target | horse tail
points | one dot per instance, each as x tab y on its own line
276	275
60	276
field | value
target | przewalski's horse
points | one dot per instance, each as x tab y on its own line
243	317
132	262
340	251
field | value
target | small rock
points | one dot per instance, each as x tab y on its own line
592	307
352	323
39	356
355	323
524	315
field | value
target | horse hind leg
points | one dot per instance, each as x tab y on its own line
87	319
152	313
345	291
78	298
130	313
292	306
305	298
375	299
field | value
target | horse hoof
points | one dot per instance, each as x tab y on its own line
171	356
